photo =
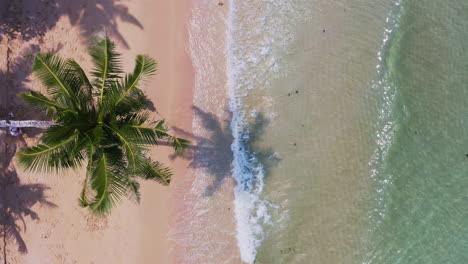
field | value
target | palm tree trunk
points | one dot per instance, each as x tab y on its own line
26	123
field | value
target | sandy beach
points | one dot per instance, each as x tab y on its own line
328	132
41	219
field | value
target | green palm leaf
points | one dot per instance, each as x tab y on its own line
46	157
41	103
134	189
179	144
131	150
153	170
84	197
87	89
131	104
141	134
54	73
156	132
102	121
107	181
106	63
144	66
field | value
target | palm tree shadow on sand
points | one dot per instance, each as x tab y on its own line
13	81
33	18
16	199
212	153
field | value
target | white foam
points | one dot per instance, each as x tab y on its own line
258	35
257	38
199	233
386	124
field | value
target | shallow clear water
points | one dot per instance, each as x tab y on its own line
322	130
425	217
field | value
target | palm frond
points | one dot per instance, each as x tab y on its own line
144	66
106	63
96	134
153	170
101	119
111	95
138	134
132	151
71	120
160	130
136	119
41	103
87	89
54	73
179	144
84	196
54	135
133	102
46	157
107	181
134	189
65	158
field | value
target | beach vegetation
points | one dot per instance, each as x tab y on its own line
101	123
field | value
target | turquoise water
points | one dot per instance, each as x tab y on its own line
423	205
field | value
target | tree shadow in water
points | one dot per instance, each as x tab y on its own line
33	18
16	199
212	153
264	155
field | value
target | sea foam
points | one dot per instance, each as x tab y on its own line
257	38
259	33
386	90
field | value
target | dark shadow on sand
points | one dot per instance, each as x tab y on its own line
33	18
16	199
212	153
25	20
13	81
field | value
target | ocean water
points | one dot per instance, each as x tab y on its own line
327	132
421	209
320	115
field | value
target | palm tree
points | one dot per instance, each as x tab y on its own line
100	123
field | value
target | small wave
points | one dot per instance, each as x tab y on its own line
250	211
386	90
258	36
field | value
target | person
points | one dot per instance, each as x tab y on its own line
15	131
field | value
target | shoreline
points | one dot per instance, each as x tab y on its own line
205	226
